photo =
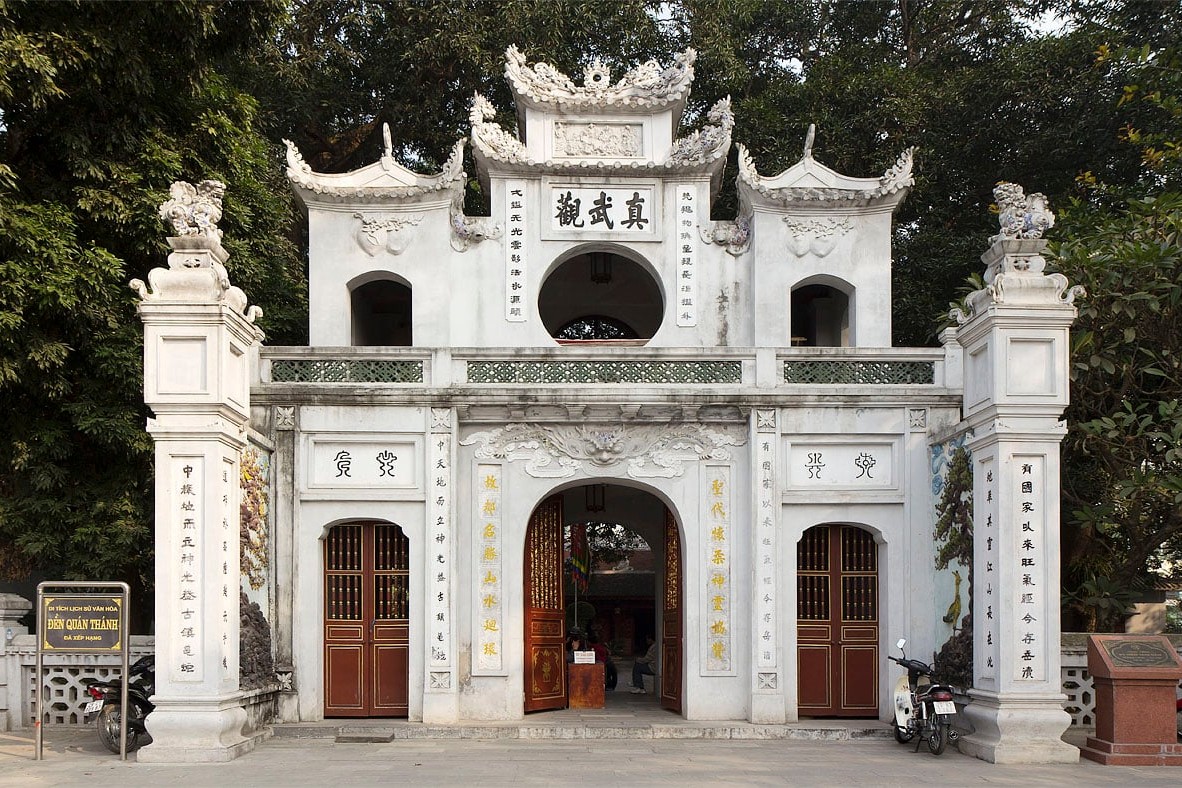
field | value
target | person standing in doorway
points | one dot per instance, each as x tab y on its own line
644	666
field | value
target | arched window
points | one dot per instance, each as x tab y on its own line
381	313
821	316
601	296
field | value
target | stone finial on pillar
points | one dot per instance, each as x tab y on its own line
199	344
1014	332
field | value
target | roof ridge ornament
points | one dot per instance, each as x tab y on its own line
808	141
648	85
385	178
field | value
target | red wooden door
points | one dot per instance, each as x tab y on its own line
366	621
837	621
671	619
545	655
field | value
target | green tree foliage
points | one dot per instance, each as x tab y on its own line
1122	480
102	105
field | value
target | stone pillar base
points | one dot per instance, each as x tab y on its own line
197	731
440	708
1125	754
1017	729
768	710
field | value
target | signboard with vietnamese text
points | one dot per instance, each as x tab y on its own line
82	623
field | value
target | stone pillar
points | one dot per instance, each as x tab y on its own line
199	340
13	608
1016	352
767	704
440	702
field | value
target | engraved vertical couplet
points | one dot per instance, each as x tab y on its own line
489	585
717	545
516	222
438	552
187	476
767	642
687	258
985	598
1029	557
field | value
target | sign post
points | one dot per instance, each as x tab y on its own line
81	618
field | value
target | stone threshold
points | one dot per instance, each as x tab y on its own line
383	731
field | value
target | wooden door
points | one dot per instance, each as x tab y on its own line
671	620
837	621
366	621
545	654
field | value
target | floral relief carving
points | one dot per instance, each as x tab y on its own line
817	236
374	234
646	451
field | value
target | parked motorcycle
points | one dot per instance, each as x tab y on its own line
108	704
922	708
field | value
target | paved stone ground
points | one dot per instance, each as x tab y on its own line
74	757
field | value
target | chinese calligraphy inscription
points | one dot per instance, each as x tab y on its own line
717	545
516	237
489	585
687	258
766	645
188	478
1029	555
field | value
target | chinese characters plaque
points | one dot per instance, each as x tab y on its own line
766	645
687	258
516	219
717	545
439	493
188	477
489	619
1029	557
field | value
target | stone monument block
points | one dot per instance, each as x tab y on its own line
1136	677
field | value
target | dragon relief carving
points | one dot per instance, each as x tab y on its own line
467	231
647	451
708	142
735	235
491	137
374	234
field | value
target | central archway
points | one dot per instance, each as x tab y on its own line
600	294
632	592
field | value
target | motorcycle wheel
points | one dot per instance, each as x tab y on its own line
902	735
108	727
938	739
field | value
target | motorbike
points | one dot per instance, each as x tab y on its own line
106	702
922	708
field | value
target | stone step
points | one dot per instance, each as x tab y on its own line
385	731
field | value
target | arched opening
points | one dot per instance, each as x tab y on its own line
366	620
837	621
603	562
599	296
821	315
381	314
